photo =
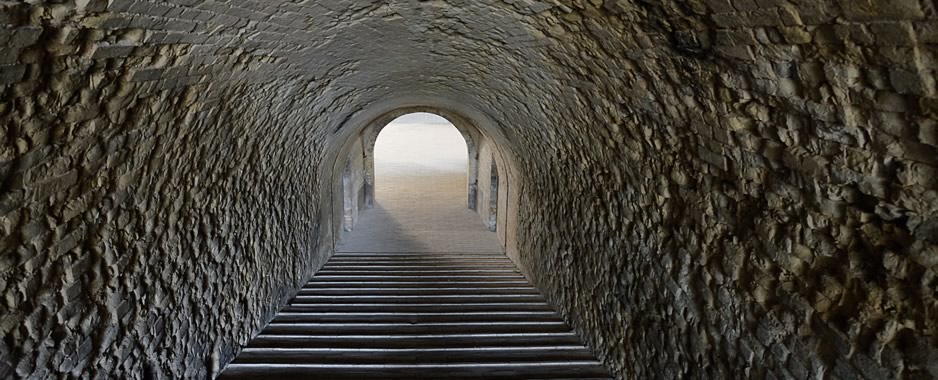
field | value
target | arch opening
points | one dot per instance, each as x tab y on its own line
421	153
358	188
416	153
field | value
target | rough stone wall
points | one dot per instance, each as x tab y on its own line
150	222
706	188
145	241
758	192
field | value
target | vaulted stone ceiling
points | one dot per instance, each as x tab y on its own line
709	188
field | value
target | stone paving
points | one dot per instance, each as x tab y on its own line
420	196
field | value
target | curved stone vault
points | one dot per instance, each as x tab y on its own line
703	188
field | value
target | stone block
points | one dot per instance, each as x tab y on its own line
928	132
912	82
893	33
111	51
11	73
874	10
19	36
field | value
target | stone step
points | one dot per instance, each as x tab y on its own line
433	277
415	307
415	272
408	317
579	369
417	299
468	255
417	264
361	328
421	259
437	340
414	355
348	291
420	256
418	269
420	264
520	283
416	316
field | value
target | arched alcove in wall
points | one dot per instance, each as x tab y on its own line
489	211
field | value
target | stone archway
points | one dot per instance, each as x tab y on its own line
370	138
358	150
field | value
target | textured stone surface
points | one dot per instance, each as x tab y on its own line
707	188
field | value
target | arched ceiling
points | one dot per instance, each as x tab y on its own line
714	188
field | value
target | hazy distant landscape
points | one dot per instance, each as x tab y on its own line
420	118
420	145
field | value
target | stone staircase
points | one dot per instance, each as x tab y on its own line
417	316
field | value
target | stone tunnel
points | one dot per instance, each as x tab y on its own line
700	188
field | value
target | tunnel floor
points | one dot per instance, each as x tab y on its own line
421	289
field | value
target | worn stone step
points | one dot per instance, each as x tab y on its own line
432	277
421	264
417	264
520	283
369	273
410	317
578	369
344	291
421	256
428	308
417	299
415	272
522	339
441	257
360	328
421	259
416	316
414	355
339	255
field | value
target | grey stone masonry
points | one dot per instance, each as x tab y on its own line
702	188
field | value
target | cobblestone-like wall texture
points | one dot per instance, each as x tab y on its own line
706	188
